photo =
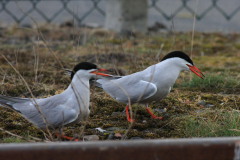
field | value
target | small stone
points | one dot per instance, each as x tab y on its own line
221	104
160	110
118	135
91	138
111	137
100	129
209	105
135	138
199	111
202	102
144	121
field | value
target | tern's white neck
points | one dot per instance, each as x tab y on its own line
79	90
168	70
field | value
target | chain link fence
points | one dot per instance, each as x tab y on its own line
94	6
212	5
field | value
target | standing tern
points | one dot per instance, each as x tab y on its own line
68	108
152	84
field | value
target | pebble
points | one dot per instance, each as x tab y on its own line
202	102
100	129
199	111
111	137
160	110
209	105
118	135
144	121
91	138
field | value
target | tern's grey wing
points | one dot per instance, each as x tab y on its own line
7	101
136	90
56	111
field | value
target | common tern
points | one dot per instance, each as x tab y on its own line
68	107
152	84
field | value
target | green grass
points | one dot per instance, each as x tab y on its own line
211	82
11	140
216	123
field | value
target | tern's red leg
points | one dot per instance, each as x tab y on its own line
128	118
152	114
69	138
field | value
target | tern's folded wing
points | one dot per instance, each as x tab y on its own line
136	91
55	115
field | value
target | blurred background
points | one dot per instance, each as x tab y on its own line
211	15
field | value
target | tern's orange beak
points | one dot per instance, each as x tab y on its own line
196	71
100	74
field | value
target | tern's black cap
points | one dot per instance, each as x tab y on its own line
83	66
178	54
